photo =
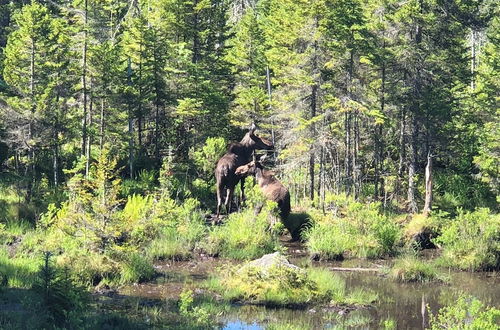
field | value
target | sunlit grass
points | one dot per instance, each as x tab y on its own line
411	269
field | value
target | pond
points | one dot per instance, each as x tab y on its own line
404	304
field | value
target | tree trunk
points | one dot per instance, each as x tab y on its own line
314	106
378	138
412	164
31	147
55	165
269	96
412	203
101	125
347	161
402	150
355	165
473	59
84	81
313	131
428	185
196	37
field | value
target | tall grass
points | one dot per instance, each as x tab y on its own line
411	269
284	286
244	235
471	241
358	230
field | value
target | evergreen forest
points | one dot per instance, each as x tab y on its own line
384	119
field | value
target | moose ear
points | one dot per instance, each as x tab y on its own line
252	129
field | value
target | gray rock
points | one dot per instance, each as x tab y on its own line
267	261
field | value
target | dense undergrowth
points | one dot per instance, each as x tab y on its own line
466	313
107	232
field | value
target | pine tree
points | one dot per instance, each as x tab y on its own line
38	66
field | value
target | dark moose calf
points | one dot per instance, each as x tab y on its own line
238	154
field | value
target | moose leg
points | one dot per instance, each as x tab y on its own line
220	190
242	200
229	196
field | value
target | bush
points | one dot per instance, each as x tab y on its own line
471	241
467	313
244	235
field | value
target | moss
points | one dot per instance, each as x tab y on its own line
278	283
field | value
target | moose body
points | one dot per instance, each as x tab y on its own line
238	154
273	190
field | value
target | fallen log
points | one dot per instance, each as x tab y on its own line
344	269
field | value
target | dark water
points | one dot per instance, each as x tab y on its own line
404	304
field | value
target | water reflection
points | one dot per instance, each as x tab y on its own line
402	304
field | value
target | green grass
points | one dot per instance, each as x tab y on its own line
285	287
136	269
328	241
411	269
471	241
162	248
243	236
17	272
360	231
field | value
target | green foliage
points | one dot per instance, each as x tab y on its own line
144	184
60	295
206	158
363	231
279	285
17	272
196	314
136	269
411	269
471	240
243	235
466	313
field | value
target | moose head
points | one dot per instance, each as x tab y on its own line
251	140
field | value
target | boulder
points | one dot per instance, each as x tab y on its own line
269	262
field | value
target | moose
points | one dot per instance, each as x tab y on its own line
273	190
238	154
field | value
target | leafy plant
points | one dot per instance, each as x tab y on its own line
467	313
471	241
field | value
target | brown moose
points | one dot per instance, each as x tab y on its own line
273	190
238	154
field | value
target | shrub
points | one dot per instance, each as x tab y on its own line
466	313
205	158
471	241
